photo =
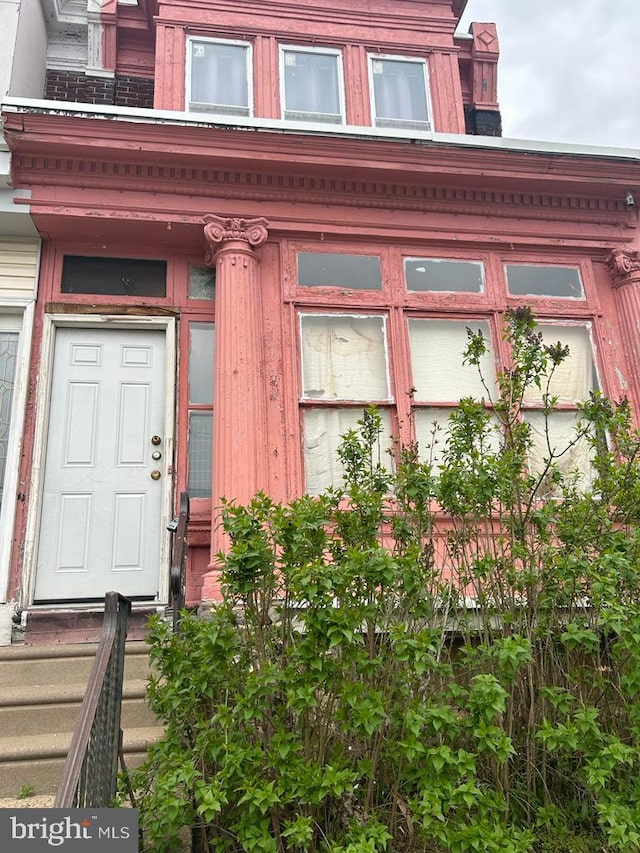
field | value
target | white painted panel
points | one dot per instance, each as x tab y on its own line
84	354
128	531
81	423
133	430
73	537
137	356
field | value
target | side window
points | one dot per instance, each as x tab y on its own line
399	92
311	81
9	333
200	425
219	77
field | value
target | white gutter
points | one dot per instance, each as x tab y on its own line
186	119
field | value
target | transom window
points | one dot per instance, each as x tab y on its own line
328	269
399	92
444	274
312	88
542	280
219	76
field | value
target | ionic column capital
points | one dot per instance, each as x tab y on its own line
234	232
624	267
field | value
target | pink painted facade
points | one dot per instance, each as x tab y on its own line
373	224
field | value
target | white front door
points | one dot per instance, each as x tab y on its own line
100	525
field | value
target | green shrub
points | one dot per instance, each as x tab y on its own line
434	659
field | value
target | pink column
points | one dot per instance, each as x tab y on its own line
624	268
239	411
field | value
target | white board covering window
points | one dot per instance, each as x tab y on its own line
311	84
344	358
569	383
219	77
399	92
440	376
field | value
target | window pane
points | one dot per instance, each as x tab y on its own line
219	80
432	430
356	272
113	276
201	343
437	348
573	379
400	94
443	275
527	280
8	353
200	450
554	435
311	86
202	283
344	358
323	429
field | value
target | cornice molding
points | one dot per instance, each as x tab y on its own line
267	186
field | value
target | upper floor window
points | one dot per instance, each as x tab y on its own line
399	92
312	87
218	77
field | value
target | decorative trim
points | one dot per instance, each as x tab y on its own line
219	230
263	186
624	266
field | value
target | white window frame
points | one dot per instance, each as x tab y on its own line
400	124
312	116
220	108
23	312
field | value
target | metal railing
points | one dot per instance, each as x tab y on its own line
90	773
177	578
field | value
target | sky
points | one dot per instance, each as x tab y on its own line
569	70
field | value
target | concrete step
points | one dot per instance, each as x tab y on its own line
62	664
41	693
56	709
38	761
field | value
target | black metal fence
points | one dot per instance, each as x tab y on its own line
179	559
90	772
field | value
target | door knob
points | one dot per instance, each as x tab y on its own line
155	475
155	440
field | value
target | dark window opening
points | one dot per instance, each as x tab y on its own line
114	276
